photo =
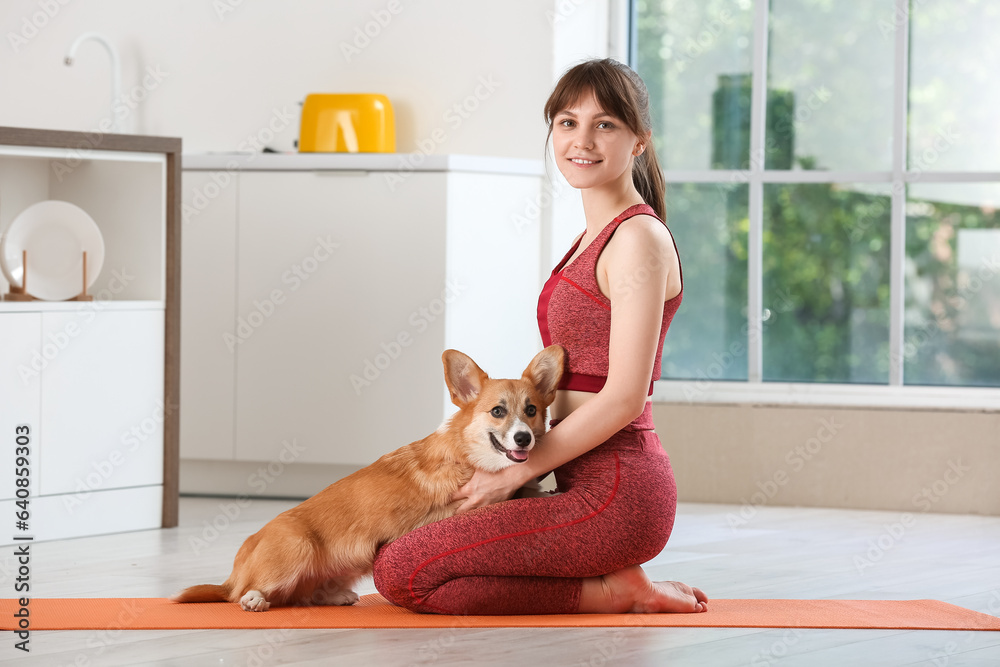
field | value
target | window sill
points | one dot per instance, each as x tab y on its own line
986	399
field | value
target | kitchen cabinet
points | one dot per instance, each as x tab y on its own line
324	288
20	391
95	381
208	286
102	401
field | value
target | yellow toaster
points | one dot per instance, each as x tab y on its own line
347	123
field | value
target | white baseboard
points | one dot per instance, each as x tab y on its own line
272	479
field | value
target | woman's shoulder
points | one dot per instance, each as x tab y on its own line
643	233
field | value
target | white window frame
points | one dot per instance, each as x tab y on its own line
621	45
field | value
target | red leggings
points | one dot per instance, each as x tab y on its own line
529	555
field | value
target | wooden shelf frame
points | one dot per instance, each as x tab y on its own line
171	147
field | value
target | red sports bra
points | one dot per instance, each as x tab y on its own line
573	313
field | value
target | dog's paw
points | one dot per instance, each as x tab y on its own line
254	601
334	597
347	597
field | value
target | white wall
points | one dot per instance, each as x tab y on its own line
223	77
223	74
215	73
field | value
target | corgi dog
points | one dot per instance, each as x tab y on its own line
316	551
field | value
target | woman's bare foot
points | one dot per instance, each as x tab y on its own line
630	590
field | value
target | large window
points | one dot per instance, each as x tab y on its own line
833	175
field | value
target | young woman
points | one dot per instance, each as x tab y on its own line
608	303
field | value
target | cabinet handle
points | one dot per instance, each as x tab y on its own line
340	172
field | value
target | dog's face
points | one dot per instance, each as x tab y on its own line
504	417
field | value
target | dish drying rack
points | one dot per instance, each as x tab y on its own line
20	293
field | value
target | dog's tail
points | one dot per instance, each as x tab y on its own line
203	593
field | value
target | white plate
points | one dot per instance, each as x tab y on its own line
55	234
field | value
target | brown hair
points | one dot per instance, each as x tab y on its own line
621	93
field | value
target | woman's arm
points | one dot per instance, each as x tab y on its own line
637	262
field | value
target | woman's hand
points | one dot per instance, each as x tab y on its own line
486	488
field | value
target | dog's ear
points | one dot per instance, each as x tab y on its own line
464	378
545	371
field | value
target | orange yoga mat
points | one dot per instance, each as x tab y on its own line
374	612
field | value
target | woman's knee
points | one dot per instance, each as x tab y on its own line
391	575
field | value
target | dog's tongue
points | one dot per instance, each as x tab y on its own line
517	454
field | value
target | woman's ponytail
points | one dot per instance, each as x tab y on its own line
648	179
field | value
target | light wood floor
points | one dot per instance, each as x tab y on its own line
777	553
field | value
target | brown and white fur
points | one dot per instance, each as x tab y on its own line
314	552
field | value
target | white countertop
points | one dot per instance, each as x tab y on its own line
70	306
361	162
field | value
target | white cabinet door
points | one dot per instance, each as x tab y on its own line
494	255
208	315
100	513
22	362
341	296
102	401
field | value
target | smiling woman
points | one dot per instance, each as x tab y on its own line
588	143
594	119
608	304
